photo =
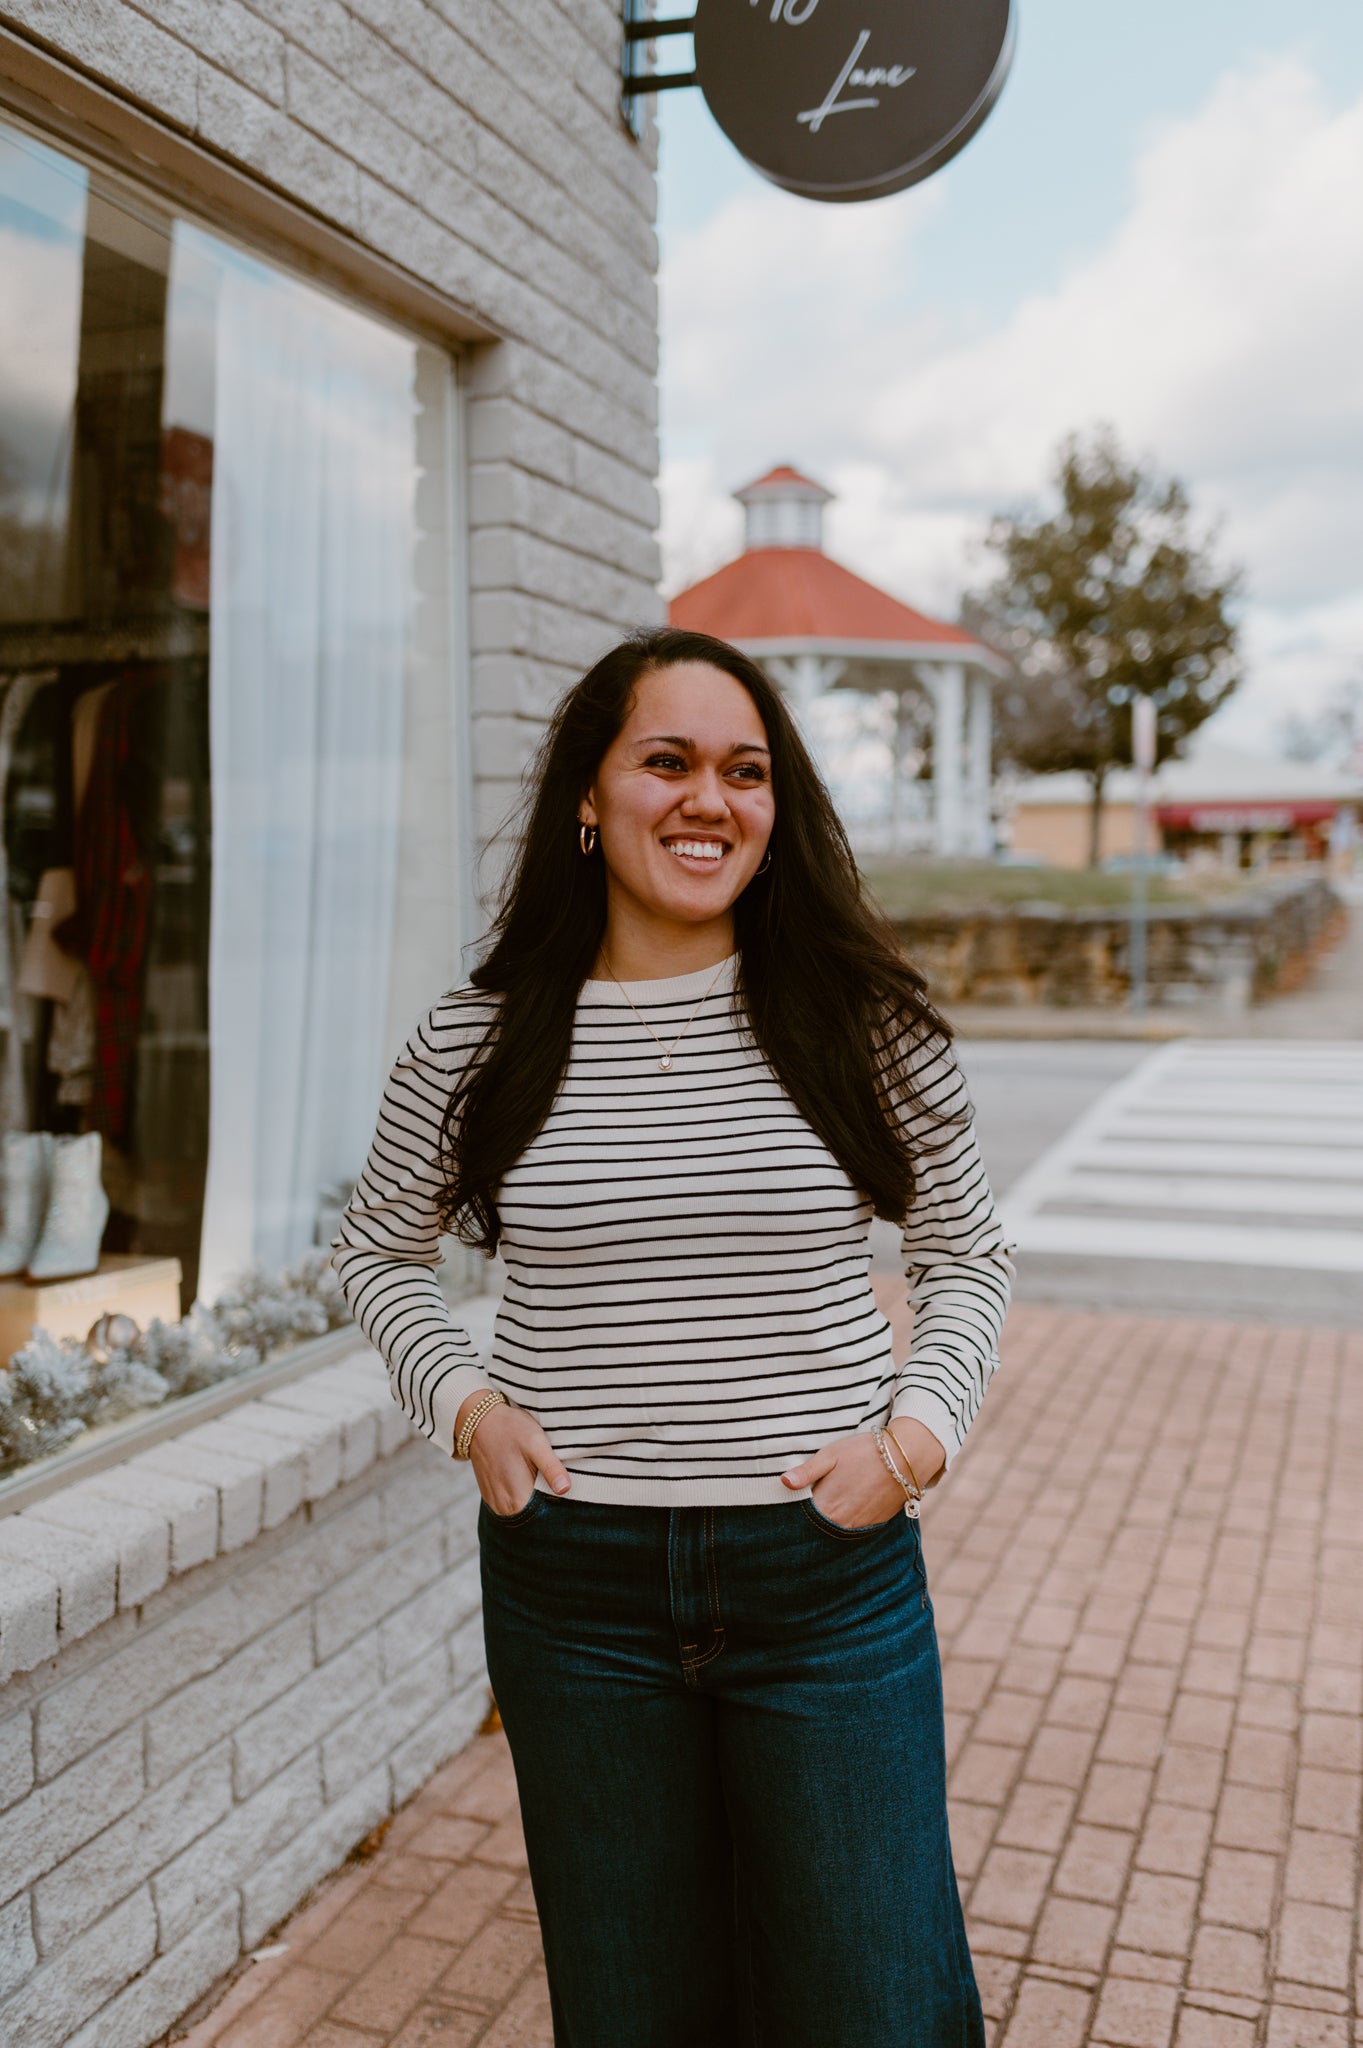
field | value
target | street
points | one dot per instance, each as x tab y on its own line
1207	1177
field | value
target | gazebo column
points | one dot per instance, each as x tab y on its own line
979	836
947	681
803	677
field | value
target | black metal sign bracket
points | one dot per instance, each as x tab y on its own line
635	80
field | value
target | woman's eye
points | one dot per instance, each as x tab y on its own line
749	771
665	761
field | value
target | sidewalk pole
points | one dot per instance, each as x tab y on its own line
1143	760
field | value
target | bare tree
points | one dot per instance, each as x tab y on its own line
1111	596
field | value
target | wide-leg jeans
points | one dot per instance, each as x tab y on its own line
726	1724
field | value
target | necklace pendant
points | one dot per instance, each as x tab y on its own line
666	1061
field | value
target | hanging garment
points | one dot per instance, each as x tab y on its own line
44	970
111	924
71	1041
14	1112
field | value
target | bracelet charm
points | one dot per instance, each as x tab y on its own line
912	1491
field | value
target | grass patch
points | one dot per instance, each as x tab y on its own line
928	888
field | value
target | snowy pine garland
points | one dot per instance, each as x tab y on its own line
54	1389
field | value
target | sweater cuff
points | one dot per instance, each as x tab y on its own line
918	1405
449	1397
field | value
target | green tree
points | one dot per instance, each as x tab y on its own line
1112	595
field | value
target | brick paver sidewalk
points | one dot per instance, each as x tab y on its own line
1148	1578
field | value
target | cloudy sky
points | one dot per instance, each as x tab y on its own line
1160	225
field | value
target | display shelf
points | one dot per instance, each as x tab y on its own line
125	1284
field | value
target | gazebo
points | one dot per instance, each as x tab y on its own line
815	625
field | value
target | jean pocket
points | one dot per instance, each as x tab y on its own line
514	1521
858	1534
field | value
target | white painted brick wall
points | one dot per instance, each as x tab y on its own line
175	1777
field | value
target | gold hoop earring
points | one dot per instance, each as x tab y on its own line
765	865
586	838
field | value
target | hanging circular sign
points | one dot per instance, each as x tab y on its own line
851	99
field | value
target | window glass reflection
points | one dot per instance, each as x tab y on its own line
225	744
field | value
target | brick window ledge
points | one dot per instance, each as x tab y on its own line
99	1528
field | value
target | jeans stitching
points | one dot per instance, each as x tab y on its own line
694	1663
691	1663
712	1572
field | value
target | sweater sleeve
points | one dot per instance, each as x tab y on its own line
387	1250
958	1262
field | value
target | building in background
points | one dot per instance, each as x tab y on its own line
1217	808
816	627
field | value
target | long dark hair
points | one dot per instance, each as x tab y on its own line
830	1000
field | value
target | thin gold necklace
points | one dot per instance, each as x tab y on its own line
666	1051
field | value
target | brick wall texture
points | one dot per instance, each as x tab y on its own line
478	145
173	1783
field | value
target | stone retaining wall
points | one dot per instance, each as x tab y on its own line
1041	953
222	1663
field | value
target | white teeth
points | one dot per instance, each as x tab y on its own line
697	849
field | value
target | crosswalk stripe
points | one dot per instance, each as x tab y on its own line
1232	1129
1193	1191
1131	1237
1324	1162
1264	1138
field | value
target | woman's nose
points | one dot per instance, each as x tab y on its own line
705	797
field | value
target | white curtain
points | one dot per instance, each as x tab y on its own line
312	559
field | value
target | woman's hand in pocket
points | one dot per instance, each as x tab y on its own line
509	1448
849	1483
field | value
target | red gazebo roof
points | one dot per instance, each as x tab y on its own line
780	479
785	594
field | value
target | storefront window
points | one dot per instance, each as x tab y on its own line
227	739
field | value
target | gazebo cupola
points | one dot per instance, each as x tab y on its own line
815	625
783	510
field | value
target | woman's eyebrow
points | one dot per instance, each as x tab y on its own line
672	739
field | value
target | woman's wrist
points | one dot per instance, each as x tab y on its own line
473	1416
919	1448
466	1408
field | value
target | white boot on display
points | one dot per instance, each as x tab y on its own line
25	1165
77	1211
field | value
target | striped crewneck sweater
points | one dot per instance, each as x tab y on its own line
688	1307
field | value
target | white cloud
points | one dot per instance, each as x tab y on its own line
1218	329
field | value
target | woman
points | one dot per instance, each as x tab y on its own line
691	1067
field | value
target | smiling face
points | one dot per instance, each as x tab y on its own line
683	800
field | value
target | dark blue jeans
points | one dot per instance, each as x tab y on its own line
727	1730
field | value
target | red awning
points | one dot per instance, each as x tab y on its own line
1242	816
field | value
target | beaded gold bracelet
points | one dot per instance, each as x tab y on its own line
483	1406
